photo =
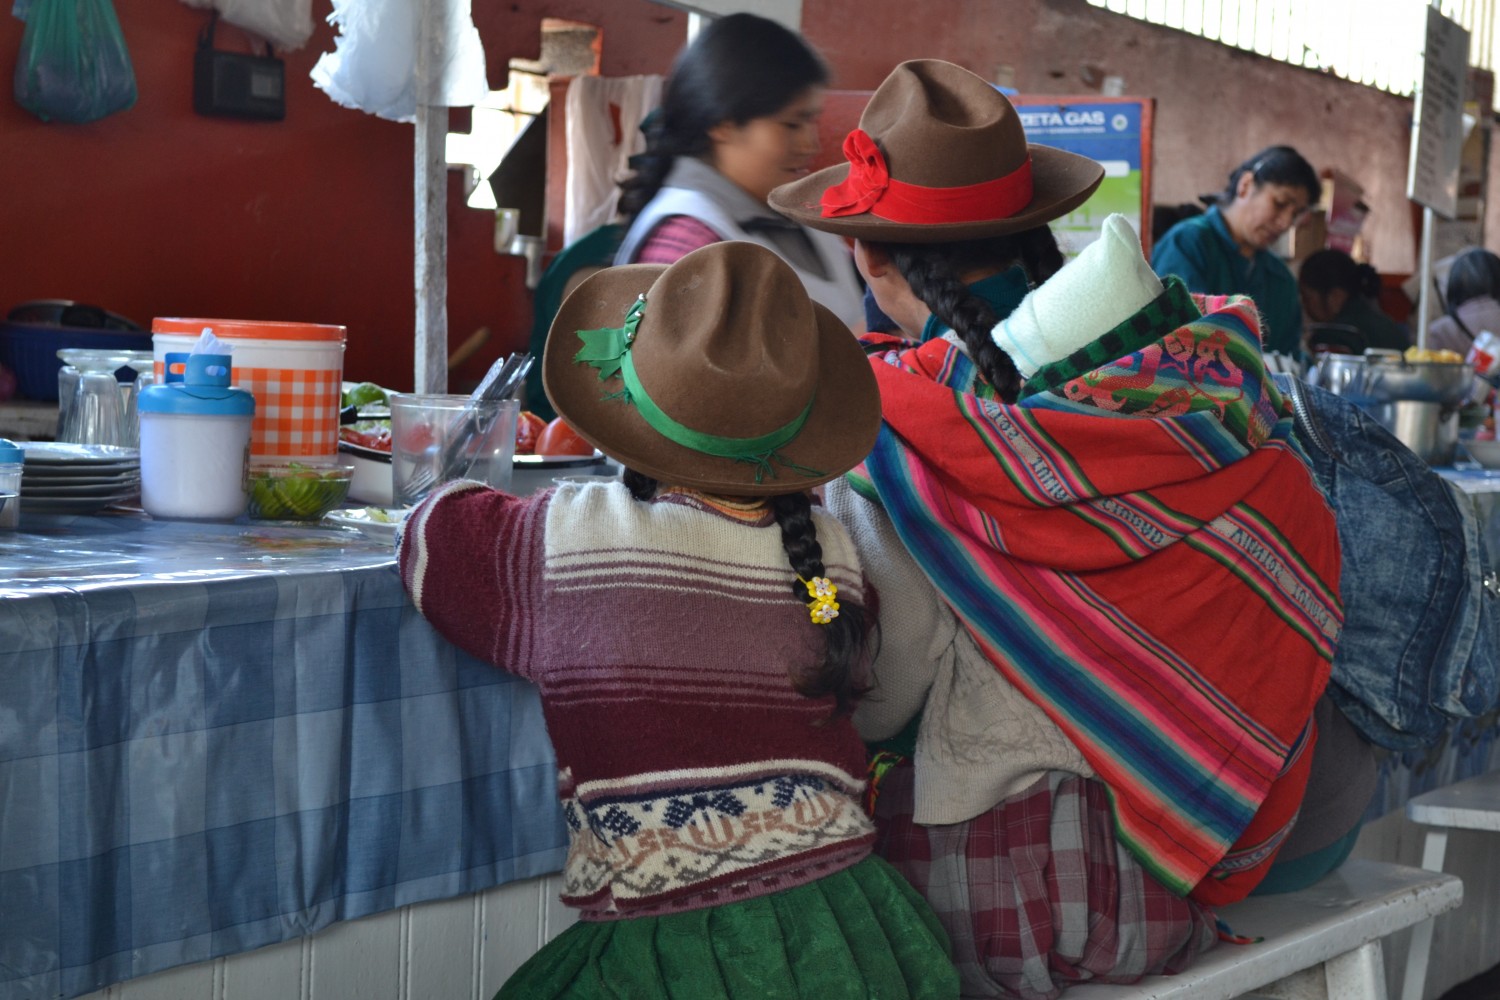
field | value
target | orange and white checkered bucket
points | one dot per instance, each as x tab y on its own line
294	370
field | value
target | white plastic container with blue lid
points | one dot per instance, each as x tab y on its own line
195	443
12	456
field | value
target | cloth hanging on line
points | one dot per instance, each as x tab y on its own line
603	132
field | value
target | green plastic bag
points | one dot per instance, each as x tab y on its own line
73	66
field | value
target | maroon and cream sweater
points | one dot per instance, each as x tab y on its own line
660	635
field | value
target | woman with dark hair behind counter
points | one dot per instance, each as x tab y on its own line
1336	289
1226	250
739	116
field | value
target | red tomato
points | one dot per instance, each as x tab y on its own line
560	439
529	427
378	439
418	439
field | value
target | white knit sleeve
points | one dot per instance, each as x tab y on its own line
916	628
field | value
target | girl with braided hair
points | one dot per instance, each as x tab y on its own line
699	638
1078	753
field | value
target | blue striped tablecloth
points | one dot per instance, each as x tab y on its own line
215	737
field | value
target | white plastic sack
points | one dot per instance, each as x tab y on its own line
286	24
373	66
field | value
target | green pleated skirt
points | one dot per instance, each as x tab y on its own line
862	933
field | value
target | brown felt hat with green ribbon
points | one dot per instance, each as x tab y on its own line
939	155
716	372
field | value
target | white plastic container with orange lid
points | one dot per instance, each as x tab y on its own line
294	370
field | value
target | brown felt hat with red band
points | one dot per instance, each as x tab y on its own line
939	155
717	372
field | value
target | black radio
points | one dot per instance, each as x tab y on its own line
237	84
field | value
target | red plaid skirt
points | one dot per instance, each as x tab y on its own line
1037	894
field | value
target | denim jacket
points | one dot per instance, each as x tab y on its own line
1420	623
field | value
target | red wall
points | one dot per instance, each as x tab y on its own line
157	211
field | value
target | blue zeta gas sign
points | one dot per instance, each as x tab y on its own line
1113	133
1102	132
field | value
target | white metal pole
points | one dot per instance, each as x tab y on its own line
1426	276
430	169
1424	264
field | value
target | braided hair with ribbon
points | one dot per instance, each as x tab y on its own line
846	634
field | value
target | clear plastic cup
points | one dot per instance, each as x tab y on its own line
11	459
438	438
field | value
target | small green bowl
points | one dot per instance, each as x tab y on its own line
297	492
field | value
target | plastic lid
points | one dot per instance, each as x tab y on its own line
249	328
206	369
203	391
10	452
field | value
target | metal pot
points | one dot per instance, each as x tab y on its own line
1340	374
1386	376
1392	377
1429	429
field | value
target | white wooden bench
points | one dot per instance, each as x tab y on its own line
1466	805
1323	941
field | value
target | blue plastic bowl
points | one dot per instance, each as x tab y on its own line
30	350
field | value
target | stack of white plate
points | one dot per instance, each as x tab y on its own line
77	478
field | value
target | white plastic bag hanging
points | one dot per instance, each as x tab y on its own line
373	66
286	24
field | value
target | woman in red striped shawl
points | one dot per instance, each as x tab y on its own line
1118	582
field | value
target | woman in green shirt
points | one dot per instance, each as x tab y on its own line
1225	251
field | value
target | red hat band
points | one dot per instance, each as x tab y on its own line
870	188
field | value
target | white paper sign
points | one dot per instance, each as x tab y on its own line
1437	133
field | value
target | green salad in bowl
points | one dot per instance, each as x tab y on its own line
297	492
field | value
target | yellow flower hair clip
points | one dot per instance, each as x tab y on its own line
821	603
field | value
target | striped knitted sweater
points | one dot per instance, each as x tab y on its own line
660	635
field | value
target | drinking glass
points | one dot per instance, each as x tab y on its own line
97	415
67	385
144	367
437	438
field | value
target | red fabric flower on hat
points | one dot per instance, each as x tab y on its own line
867	181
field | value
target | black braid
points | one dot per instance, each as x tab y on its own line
1040	254
637	190
933	272
846	636
640	485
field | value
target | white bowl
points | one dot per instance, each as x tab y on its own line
372	474
1486	453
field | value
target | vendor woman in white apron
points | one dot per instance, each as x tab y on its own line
739	116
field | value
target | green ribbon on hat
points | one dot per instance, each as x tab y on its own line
603	348
608	349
